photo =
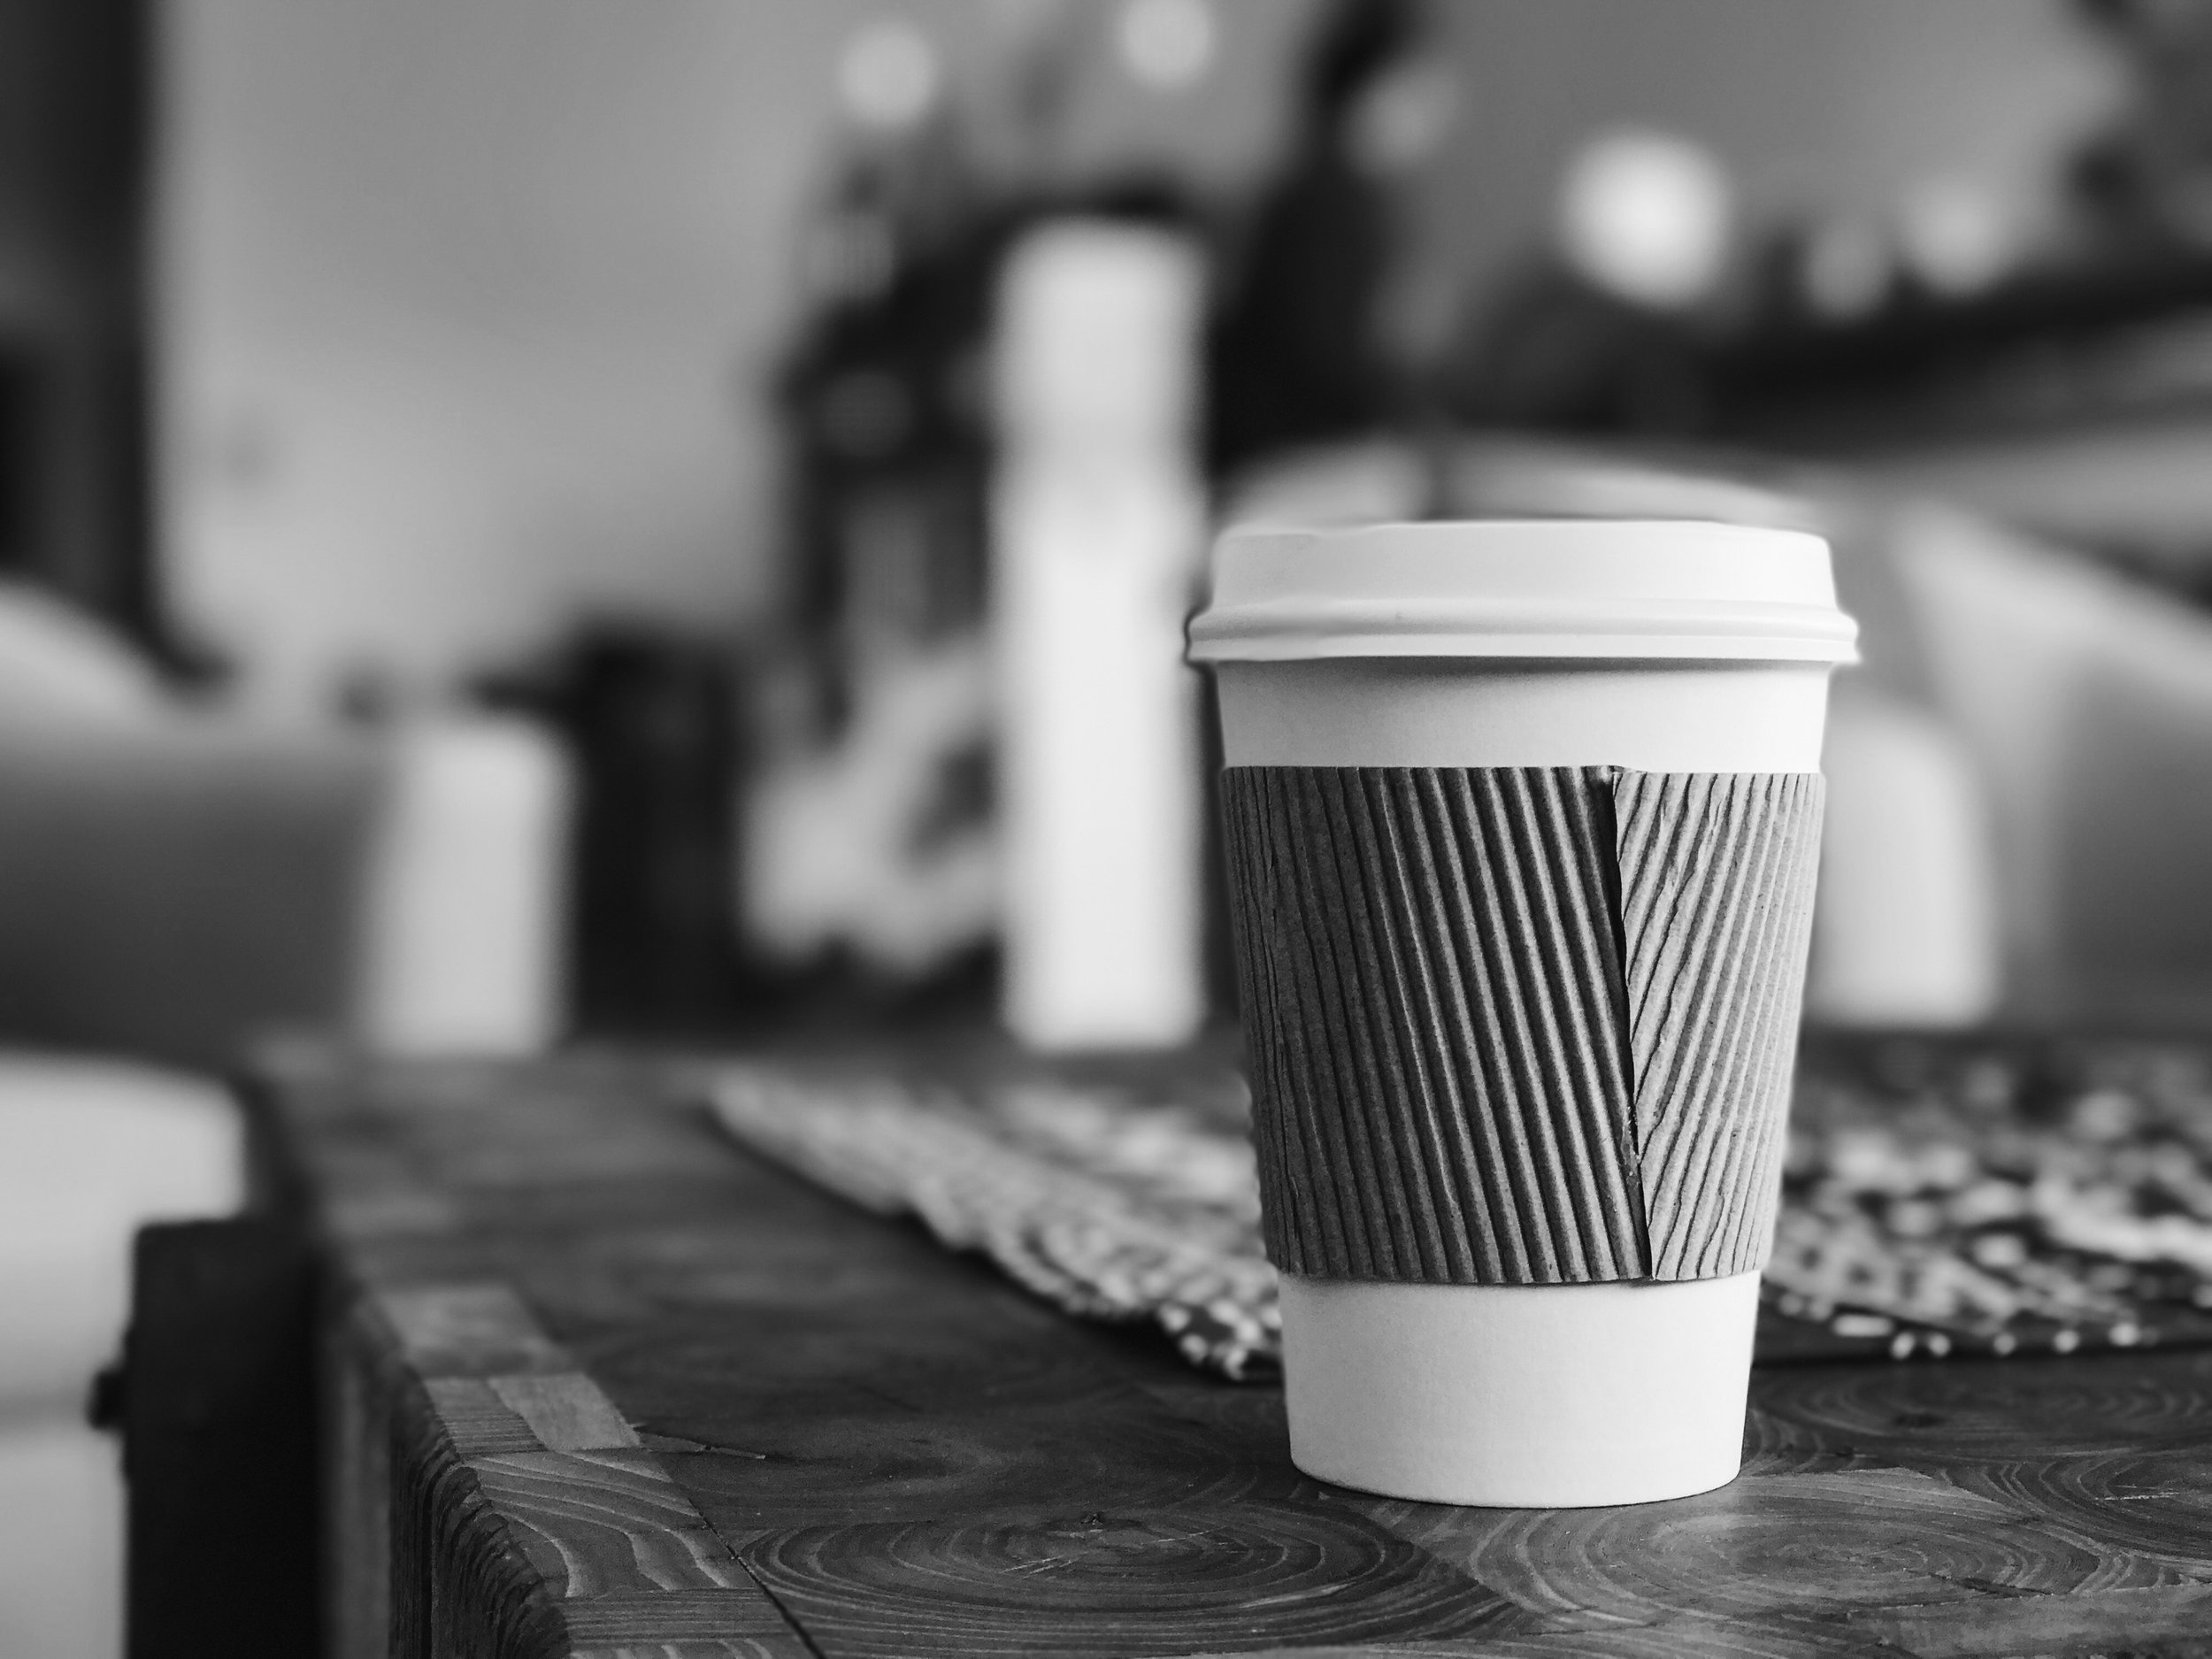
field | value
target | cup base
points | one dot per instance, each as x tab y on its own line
1520	1396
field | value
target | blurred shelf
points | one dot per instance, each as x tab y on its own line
2075	402
2061	349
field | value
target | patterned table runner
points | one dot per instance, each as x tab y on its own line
1940	1196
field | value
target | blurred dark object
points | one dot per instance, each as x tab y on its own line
19	442
653	721
217	1407
171	889
1295	357
74	486
2149	174
1219	940
1556	354
873	730
2121	335
869	869
882	400
2071	400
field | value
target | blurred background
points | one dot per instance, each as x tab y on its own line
526	520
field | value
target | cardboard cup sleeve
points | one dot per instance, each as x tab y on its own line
1520	1026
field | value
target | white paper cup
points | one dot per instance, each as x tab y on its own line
1657	647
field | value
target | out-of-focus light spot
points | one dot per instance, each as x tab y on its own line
888	75
1647	217
1167	44
1847	270
1956	236
1402	118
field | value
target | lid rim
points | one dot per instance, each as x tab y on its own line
1495	648
1617	589
1286	629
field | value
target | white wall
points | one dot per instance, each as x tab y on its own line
465	301
454	292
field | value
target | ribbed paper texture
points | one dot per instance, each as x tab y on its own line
1717	880
1437	1016
1479	1057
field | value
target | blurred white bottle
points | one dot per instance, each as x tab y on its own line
1097	523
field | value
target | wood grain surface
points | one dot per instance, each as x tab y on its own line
603	1386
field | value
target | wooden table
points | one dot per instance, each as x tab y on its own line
602	1384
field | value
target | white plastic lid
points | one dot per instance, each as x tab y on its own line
1565	587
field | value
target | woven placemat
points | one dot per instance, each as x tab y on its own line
1941	1197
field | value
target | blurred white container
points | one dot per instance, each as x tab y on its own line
1908	933
464	928
2086	703
1097	522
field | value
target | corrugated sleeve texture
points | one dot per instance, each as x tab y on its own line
1519	1024
1716	881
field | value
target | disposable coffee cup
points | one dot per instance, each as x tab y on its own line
1521	821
